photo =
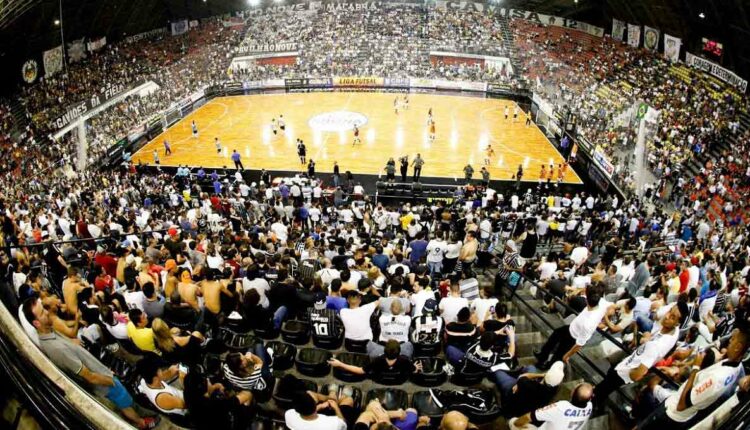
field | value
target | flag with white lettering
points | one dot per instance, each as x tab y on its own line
97	44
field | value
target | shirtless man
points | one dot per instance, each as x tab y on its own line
171	283
213	287
67	328
188	290
72	285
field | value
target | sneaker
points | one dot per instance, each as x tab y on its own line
269	350
150	422
347	391
333	390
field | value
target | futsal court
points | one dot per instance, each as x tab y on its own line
464	127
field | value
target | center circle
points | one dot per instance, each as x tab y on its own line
336	121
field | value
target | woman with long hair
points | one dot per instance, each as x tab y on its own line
175	346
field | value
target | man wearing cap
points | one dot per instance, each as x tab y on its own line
529	389
325	322
392	327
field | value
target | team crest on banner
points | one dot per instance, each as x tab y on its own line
634	35
618	30
53	60
30	71
650	38
179	27
76	51
672	47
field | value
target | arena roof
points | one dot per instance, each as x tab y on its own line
27	27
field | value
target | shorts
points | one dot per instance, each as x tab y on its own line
283	127
119	395
408	423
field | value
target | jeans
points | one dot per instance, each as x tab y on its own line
645	324
506	382
611	382
375	350
261	352
435	267
454	355
279	316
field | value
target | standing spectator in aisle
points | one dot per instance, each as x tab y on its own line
567	340
564	414
404	167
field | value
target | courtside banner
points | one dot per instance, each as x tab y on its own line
724	74
396	82
602	161
358	81
474	86
274	83
421	83
77	110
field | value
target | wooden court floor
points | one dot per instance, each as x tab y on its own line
464	127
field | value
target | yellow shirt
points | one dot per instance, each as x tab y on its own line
143	338
406	220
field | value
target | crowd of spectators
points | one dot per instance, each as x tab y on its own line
166	263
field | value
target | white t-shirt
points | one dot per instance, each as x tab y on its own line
584	325
328	274
453	249
394	327
294	421
260	285
357	322
418	299
435	250
280	230
480	307
579	255
450	306
547	270
647	354
709	385
562	415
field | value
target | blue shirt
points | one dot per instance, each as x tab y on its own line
418	250
235	156
381	261
217	187
336	303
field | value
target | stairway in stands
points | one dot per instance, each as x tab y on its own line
588	364
510	45
20	120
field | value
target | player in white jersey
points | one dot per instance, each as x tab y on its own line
217	144
515	114
195	129
282	124
274	127
507	112
562	415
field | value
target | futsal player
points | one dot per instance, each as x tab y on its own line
528	119
395	105
301	151
356	135
490	154
218	145
515	114
507	112
432	131
195	129
156	157
406	101
274	127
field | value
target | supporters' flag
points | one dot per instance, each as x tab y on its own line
233	21
179	27
76	51
634	35
53	61
618	30
194	23
97	44
650	38
30	71
672	47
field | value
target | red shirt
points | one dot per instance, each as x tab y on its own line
684	279
108	262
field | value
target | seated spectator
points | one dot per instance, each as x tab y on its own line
249	371
334	300
82	366
138	332
356	318
459	335
164	397
114	322
484	306
153	304
482	356
528	389
427	328
211	407
376	415
566	414
305	416
393	326
392	362
176	346
324	321
179	314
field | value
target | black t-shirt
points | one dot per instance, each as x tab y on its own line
501	341
531	395
402	368
324	323
461	341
